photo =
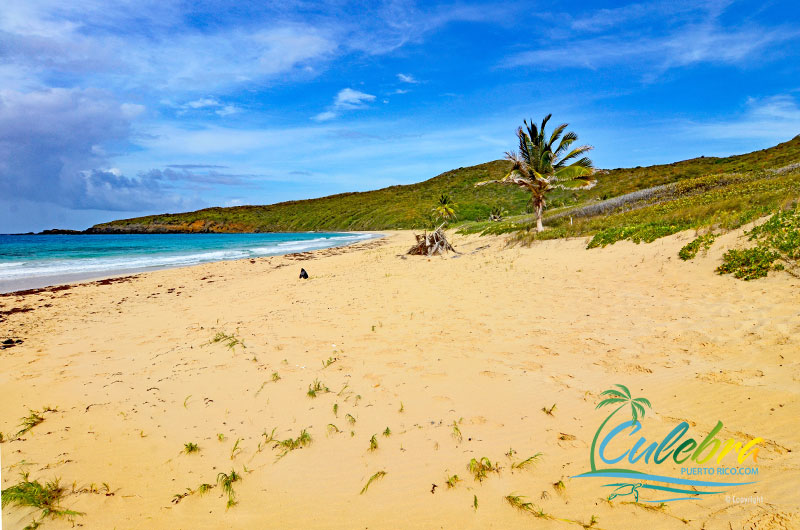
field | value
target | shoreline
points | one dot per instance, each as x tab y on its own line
39	282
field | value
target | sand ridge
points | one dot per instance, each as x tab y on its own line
484	340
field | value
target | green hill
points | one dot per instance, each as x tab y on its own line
740	182
395	207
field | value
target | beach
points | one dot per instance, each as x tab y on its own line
422	364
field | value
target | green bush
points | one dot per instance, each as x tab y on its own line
690	250
647	232
778	239
748	264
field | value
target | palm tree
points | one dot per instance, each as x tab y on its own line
623	397
546	163
446	208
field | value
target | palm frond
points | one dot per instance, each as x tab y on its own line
556	134
533	132
544	123
624	389
578	151
612	392
610	402
565	142
644	401
639	409
573	172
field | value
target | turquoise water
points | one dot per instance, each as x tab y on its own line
27	261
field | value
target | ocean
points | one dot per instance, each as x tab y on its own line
28	261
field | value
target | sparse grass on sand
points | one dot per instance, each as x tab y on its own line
226	482
480	468
46	497
378	475
229	340
530	461
291	444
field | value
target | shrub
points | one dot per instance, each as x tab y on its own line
778	239
690	250
748	264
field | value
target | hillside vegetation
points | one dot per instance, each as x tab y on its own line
639	203
396	207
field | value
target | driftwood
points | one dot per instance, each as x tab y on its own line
430	244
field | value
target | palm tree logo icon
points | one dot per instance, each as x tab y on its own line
623	398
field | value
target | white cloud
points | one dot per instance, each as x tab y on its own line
653	37
227	110
690	45
209	104
346	99
96	44
325	116
406	78
203	103
352	99
773	119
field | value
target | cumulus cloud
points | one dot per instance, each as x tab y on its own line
59	41
346	99
53	148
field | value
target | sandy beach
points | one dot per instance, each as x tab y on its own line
457	356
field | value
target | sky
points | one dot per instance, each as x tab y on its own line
114	110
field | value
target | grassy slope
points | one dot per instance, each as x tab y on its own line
387	208
409	206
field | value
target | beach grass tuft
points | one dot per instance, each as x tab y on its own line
480	468
457	432
236	449
531	460
229	340
226	482
190	447
46	497
316	387
518	502
378	475
33	419
290	444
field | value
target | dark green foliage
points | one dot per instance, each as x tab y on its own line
778	239
647	232
781	233
691	249
748	264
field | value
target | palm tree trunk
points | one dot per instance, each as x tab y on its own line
539	210
597	434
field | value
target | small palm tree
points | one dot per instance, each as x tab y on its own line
445	209
546	163
623	397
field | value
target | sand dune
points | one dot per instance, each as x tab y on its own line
486	339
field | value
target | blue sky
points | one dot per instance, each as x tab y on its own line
154	105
